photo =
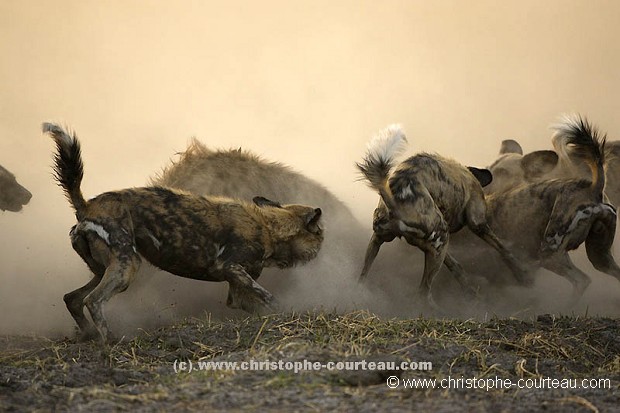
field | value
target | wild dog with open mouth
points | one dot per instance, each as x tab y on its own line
426	198
562	214
203	238
13	196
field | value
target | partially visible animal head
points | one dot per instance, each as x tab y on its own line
566	161
13	196
241	174
296	229
512	168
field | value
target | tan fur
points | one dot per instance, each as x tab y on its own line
241	174
512	169
545	219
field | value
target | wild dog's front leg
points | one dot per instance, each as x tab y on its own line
459	273
519	271
371	253
244	292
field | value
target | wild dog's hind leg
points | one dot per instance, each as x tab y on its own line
121	262
433	259
74	300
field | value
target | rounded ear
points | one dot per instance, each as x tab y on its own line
484	176
312	220
262	201
510	146
538	163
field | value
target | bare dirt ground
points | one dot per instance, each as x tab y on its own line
40	374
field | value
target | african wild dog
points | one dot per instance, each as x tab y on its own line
561	214
426	198
13	196
203	238
512	168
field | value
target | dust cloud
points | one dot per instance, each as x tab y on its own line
306	83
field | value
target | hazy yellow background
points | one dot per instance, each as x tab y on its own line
303	82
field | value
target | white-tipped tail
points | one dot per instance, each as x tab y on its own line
58	133
386	145
380	158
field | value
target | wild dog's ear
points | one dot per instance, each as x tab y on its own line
261	202
312	220
538	163
510	146
484	176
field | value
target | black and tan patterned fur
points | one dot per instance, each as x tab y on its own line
425	199
203	238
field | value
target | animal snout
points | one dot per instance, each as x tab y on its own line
25	196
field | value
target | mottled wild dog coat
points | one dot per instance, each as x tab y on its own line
203	238
13	196
426	198
562	214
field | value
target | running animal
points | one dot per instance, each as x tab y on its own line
203	238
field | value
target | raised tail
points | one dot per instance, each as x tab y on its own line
68	166
576	138
380	159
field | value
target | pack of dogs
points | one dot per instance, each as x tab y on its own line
228	230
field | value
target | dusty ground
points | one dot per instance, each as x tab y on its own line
59	375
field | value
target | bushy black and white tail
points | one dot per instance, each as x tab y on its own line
380	158
577	139
68	166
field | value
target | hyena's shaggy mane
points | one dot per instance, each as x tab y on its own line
191	161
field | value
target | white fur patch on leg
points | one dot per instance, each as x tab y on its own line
556	240
97	228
